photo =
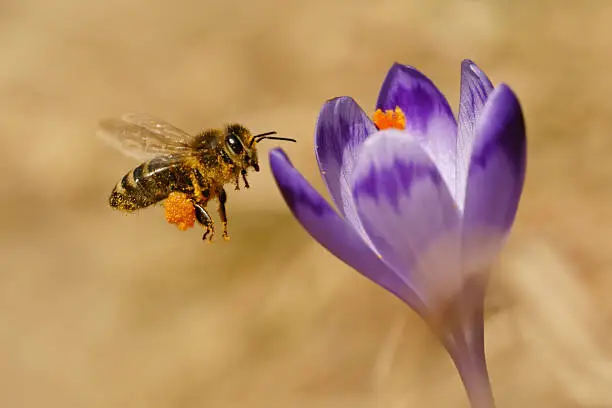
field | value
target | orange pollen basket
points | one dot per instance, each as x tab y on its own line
389	119
179	211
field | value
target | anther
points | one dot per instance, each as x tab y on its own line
395	119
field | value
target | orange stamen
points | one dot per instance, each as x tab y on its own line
179	211
394	119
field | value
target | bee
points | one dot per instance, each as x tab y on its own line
173	161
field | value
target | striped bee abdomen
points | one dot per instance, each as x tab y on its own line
150	183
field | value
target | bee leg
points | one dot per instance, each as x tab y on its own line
246	183
197	191
204	219
222	196
237	182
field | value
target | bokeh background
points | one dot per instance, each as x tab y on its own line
99	309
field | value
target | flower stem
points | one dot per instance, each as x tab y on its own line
472	367
477	385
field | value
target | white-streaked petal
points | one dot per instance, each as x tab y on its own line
409	213
333	232
475	90
341	128
496	176
429	117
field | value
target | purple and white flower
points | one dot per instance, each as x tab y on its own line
423	211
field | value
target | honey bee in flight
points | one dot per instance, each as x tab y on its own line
198	167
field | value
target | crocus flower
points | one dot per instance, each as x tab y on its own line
425	201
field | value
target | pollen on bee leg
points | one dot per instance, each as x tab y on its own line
180	211
395	119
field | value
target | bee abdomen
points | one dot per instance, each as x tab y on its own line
148	184
137	189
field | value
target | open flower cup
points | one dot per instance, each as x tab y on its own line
425	202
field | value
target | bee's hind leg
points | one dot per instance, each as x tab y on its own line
204	219
222	197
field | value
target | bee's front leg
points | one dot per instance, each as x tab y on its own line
237	181
204	219
244	173
222	197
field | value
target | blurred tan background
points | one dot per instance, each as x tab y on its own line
98	309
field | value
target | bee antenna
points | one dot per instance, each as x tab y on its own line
258	138
264	134
278	138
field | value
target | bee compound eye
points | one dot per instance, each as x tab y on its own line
234	144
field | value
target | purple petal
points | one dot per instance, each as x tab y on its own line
428	115
496	174
408	212
341	129
475	89
331	231
417	96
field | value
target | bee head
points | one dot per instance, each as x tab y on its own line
241	146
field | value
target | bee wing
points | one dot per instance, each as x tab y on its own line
143	136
